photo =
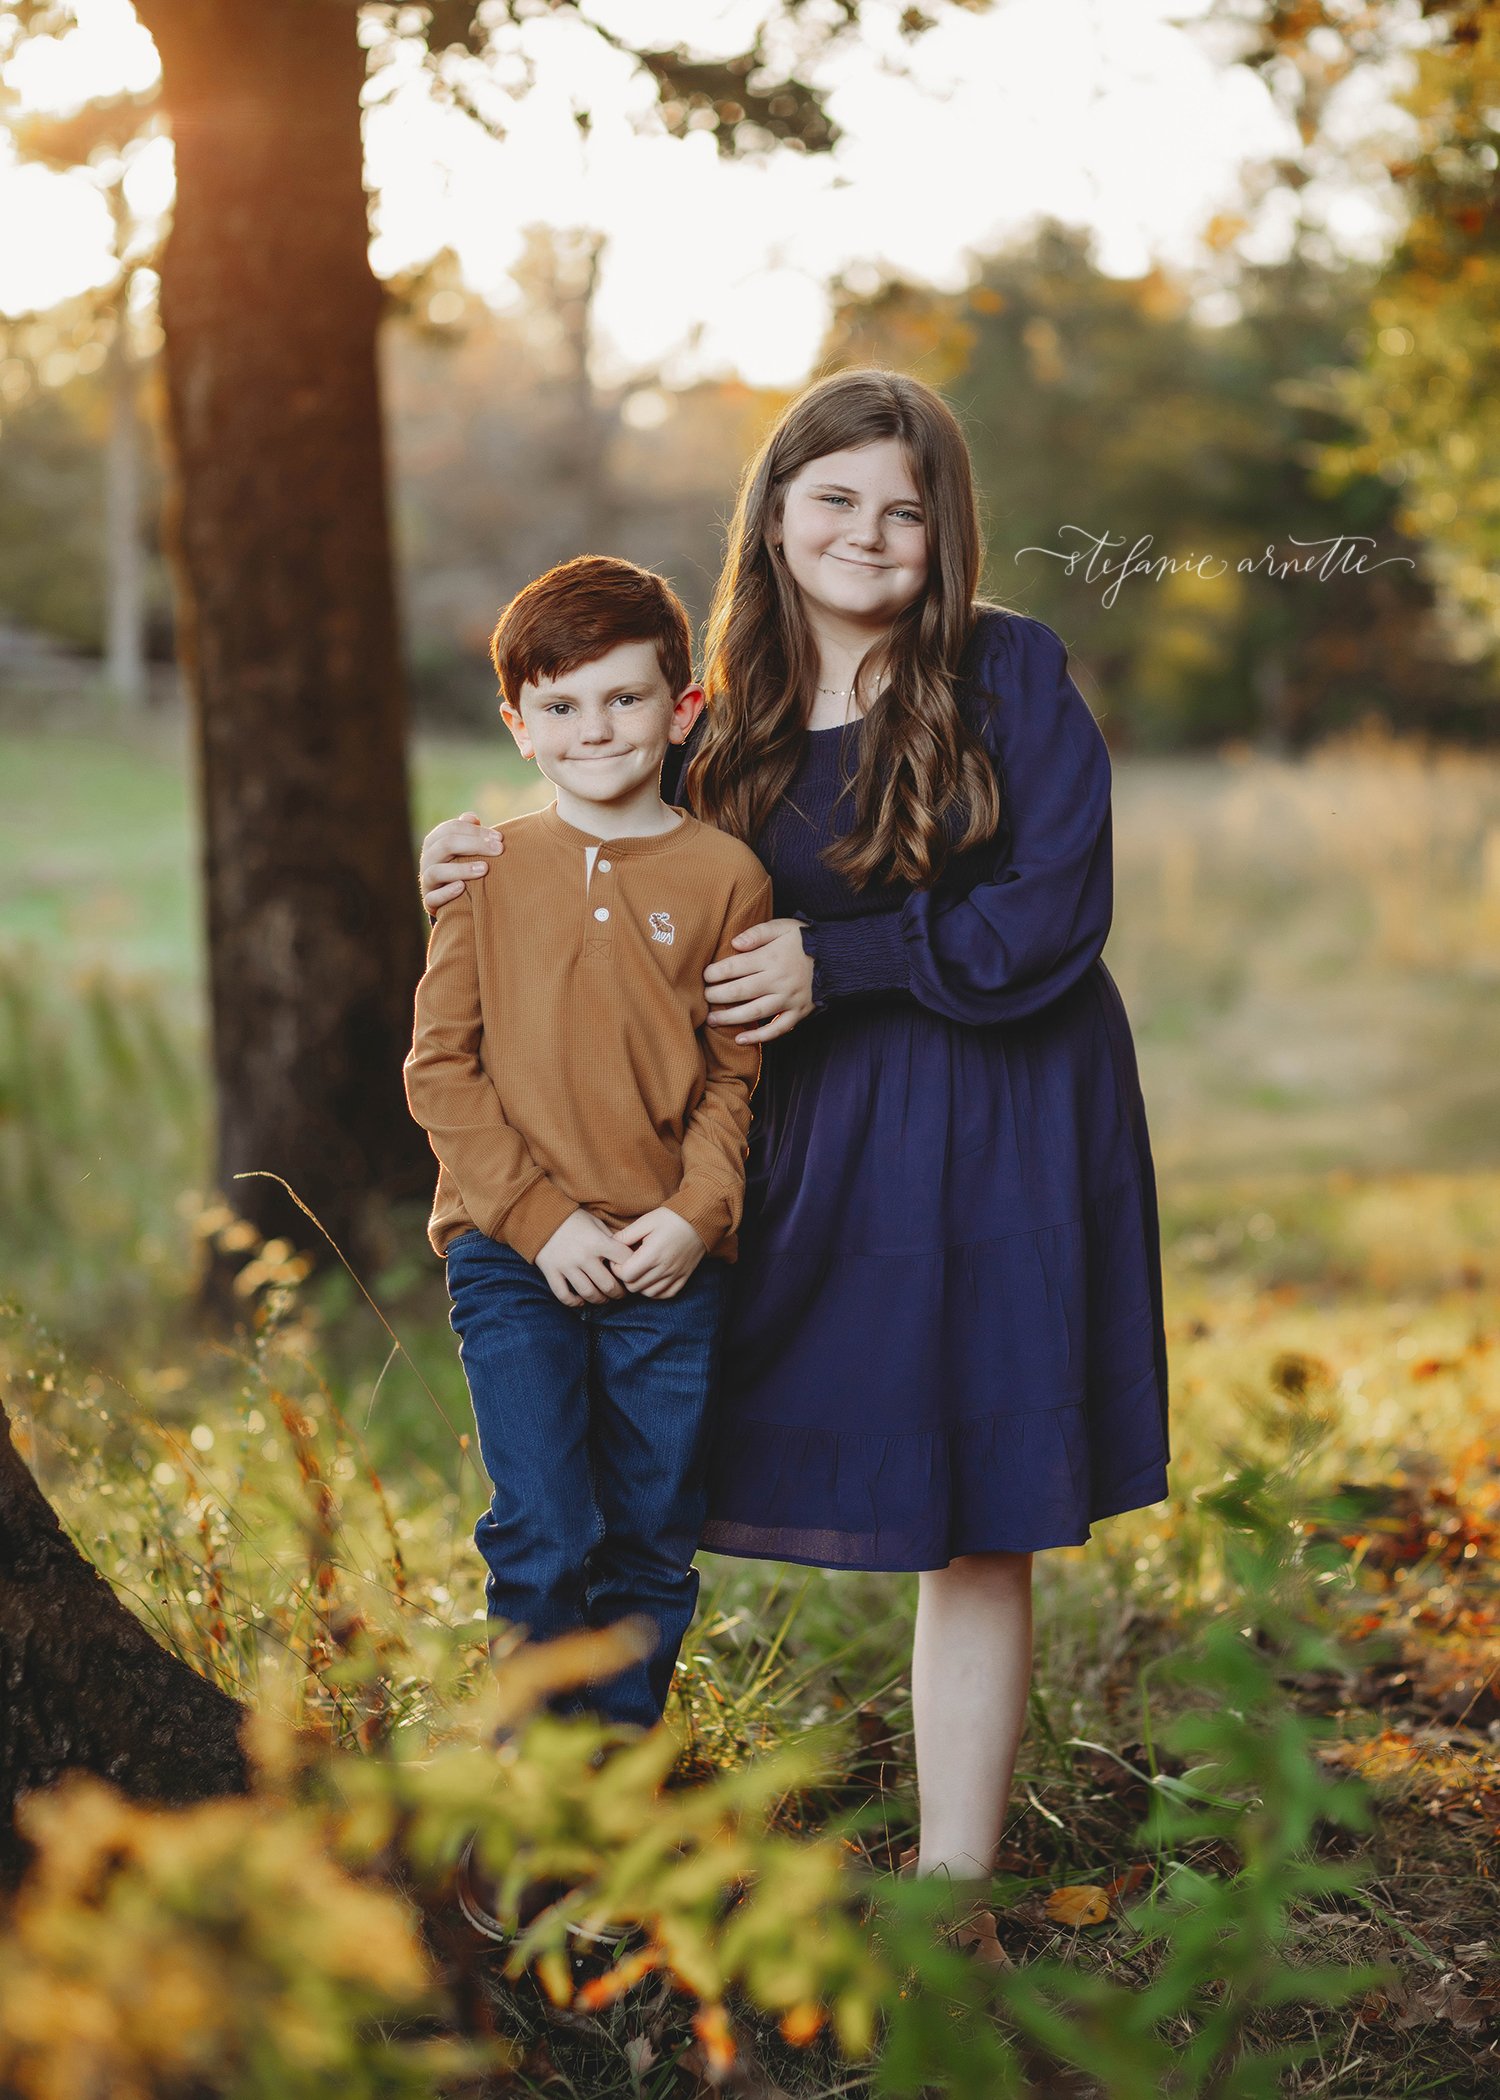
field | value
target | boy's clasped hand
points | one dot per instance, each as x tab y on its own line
585	1263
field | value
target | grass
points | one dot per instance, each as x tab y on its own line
99	844
1367	1325
1308	955
99	848
1309	952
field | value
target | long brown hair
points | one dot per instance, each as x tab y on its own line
924	788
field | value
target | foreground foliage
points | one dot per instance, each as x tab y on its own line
300	1941
1178	1904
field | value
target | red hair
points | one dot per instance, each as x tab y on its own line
580	610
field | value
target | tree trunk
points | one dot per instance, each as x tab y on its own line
281	541
592	423
83	1686
124	567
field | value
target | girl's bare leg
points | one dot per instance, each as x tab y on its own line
971	1672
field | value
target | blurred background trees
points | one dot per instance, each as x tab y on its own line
1308	932
1213	424
82	475
282	552
1340	399
1419	387
1099	406
109	137
1092	401
1424	394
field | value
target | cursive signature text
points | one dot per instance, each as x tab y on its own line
1342	554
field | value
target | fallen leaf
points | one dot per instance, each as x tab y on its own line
1443	1999
1122	1886
640	2055
1082	1905
977	1936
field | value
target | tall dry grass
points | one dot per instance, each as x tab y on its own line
1309	951
1393	844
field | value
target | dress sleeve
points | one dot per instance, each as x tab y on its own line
1026	934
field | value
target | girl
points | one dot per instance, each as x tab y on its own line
944	1348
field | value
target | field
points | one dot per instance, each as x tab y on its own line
1309	952
1310	955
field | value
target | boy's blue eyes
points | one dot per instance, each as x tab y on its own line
556	706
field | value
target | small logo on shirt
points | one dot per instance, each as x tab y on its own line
662	928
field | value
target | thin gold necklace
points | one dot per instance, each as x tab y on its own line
846	693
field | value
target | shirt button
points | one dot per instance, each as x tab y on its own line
602	912
604	867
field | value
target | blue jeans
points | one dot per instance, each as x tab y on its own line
594	1426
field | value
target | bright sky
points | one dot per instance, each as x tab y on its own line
1104	113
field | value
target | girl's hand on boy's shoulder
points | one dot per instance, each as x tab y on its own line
448	857
667	1249
768	982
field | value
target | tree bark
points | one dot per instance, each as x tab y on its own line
124	563
593	423
83	1686
281	541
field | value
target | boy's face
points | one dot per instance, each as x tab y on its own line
601	731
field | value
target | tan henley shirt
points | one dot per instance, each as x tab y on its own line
560	1057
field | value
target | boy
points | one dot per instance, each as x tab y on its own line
590	1128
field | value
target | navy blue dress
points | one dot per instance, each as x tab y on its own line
945	1329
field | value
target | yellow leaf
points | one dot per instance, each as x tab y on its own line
801	2024
1082	1905
524	1679
615	1982
712	2029
552	1971
854	2018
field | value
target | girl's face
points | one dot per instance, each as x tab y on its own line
853	534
